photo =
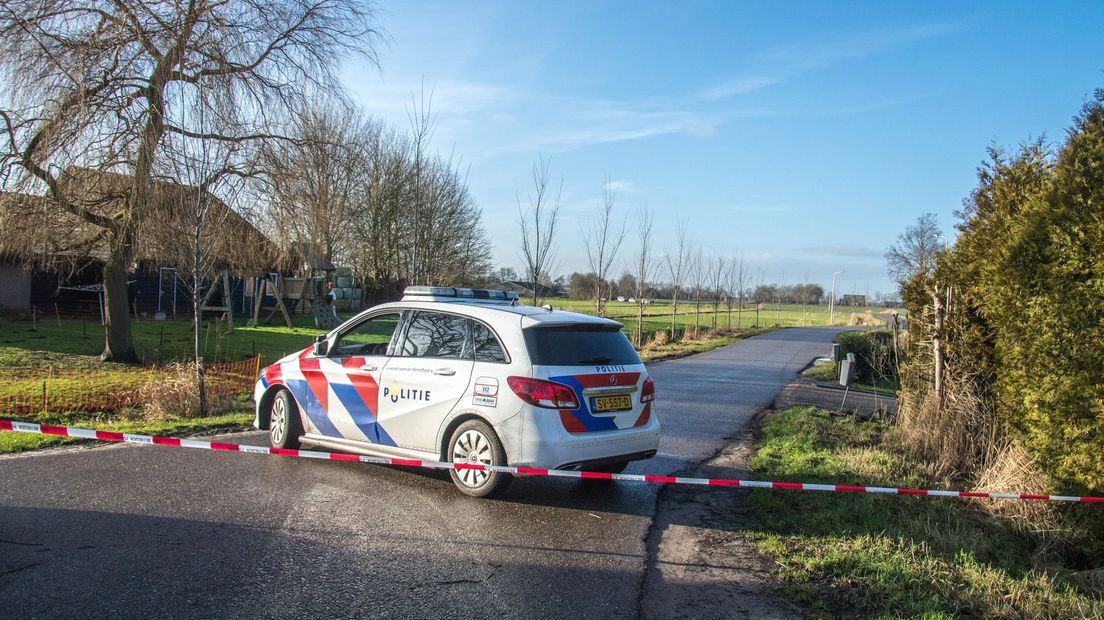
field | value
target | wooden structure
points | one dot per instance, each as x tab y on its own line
222	282
268	283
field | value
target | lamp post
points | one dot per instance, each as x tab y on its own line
832	300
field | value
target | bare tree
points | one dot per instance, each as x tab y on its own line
805	300
916	250
678	265
89	83
201	234
697	278
758	287
912	260
602	241
391	180
717	268
423	124
738	284
644	264
315	180
538	229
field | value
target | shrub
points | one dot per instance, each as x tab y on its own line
173	393
873	355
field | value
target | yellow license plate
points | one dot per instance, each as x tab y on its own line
612	403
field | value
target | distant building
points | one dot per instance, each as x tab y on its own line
853	300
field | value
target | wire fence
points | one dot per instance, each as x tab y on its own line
33	391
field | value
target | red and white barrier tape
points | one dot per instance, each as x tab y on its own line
84	433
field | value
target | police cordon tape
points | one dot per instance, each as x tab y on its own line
174	442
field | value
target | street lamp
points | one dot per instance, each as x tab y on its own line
832	300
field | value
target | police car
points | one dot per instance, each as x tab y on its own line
467	375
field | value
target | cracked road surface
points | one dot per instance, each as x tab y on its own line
134	530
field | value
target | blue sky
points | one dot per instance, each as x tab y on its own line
805	136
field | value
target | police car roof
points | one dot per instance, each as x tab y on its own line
486	303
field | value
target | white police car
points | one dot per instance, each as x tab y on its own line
467	375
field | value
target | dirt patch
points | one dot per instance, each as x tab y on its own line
700	563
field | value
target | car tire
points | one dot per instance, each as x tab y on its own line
285	427
475	441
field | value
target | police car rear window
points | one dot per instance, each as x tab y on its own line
579	345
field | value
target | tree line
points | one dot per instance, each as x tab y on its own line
1006	324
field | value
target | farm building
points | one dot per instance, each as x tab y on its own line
51	258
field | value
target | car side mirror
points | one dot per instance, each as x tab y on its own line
321	347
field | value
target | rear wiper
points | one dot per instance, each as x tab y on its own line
596	360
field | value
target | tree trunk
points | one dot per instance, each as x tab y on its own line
118	342
937	346
197	288
674	311
201	382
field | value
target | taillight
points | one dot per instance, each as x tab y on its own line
647	393
540	393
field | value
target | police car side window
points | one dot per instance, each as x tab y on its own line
487	347
434	334
368	338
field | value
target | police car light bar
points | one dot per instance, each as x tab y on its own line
459	293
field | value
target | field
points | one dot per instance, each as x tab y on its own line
23	344
657	316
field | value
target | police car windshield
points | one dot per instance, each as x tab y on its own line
579	345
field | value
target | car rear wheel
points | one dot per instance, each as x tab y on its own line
285	428
474	442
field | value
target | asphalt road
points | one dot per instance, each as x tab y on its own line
133	530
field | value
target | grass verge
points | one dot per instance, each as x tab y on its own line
652	352
827	372
897	555
19	442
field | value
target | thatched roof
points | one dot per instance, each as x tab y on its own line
33	226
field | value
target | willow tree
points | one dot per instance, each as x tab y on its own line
94	84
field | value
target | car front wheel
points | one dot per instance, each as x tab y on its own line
285	429
474	442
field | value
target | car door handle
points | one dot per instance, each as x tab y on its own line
444	372
370	367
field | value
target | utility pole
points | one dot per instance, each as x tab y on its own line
832	300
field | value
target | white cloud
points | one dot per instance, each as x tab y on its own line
759	209
826	51
621	187
852	251
738	87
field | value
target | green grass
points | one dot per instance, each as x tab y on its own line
846	554
827	372
155	341
18	442
657	316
